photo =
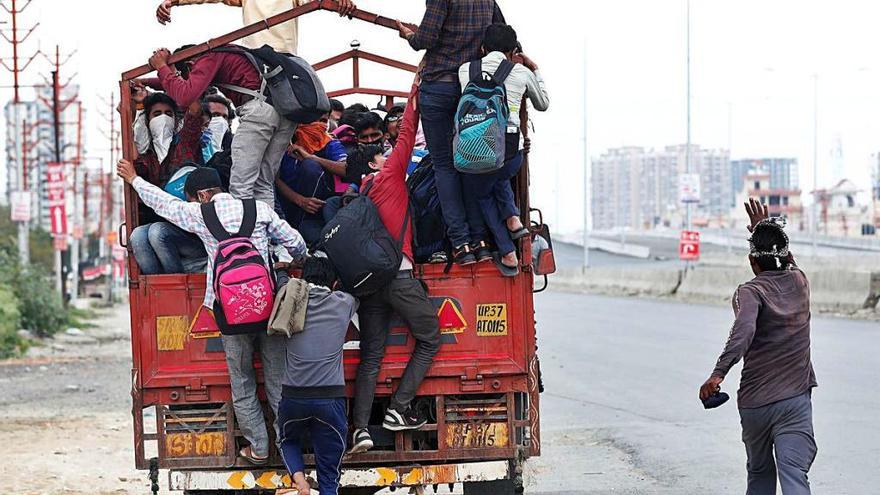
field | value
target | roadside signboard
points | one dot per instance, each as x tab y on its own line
689	188
21	206
57	205
689	246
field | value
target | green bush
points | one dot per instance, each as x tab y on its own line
11	345
41	309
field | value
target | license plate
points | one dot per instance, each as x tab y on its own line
209	444
476	435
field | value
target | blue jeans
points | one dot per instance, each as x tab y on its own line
438	101
162	248
493	204
326	422
331	208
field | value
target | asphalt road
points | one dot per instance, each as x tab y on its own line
621	415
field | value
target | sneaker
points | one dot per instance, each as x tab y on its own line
463	256
408	420
482	251
361	441
440	257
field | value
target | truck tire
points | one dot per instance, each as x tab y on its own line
500	487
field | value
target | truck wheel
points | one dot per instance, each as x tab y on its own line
500	487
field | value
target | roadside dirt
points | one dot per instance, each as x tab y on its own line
65	422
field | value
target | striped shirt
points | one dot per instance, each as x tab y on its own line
188	216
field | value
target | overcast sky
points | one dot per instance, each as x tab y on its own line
752	61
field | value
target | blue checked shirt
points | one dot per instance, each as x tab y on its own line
452	33
188	216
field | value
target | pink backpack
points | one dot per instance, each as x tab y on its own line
244	288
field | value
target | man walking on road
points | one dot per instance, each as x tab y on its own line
772	336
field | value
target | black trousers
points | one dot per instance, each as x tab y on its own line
407	298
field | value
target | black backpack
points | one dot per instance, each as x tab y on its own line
429	228
359	246
290	84
222	163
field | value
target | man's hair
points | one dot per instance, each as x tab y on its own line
769	246
358	108
369	120
336	105
319	271
201	179
222	100
499	38
157	98
181	66
357	164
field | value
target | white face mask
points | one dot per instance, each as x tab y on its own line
162	130
141	133
218	127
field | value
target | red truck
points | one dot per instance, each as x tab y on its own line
481	394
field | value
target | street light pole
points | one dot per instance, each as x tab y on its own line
587	171
688	150
816	205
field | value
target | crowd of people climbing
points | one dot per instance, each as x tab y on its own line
246	170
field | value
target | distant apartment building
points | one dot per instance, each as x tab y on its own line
781	202
841	213
36	133
637	188
782	172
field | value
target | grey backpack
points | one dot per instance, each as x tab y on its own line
290	84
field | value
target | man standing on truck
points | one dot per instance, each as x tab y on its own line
452	33
263	134
203	186
406	296
772	335
283	38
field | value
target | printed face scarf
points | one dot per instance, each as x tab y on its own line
313	137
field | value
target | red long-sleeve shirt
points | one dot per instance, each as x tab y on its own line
389	191
212	68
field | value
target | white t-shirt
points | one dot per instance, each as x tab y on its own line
283	38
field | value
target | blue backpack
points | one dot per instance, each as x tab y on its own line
481	121
429	228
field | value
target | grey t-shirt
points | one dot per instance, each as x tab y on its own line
772	336
314	356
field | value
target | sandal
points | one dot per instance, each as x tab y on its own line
463	256
506	270
519	234
248	454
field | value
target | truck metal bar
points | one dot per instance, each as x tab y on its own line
372	57
330	5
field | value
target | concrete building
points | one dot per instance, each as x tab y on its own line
780	201
638	188
783	172
841	214
37	133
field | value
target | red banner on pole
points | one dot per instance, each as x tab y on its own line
55	188
689	246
